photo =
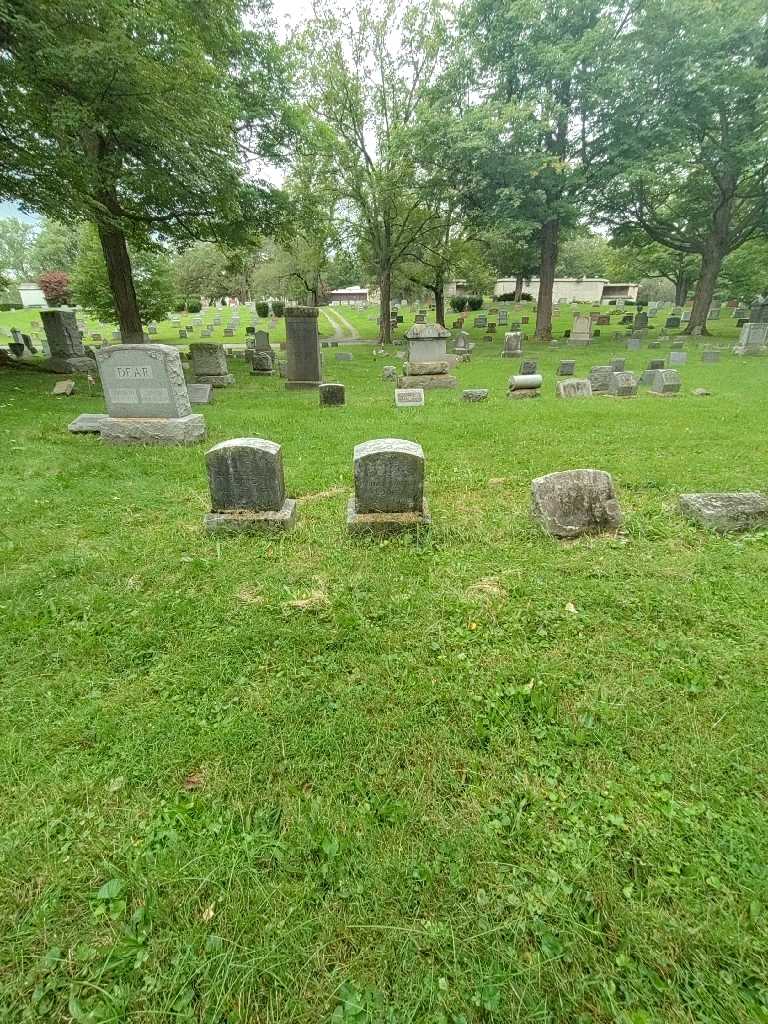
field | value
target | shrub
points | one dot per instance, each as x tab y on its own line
6	307
262	309
510	297
475	302
194	306
179	306
278	308
55	286
458	303
526	297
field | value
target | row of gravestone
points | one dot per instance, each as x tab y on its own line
247	487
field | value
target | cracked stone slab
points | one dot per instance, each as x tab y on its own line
726	512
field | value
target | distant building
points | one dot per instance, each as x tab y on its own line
348	296
31	295
456	288
573	289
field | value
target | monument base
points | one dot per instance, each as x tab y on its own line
88	423
243	521
428	381
302	385
262	373
385	524
143	430
580	342
525	393
512	355
216	380
71	364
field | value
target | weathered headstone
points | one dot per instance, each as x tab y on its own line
146	396
247	485
389	487
64	388
710	356
209	364
622	384
672	321
581	331
678	358
389	373
428	362
408	397
200	394
87	423
727	512
332	394
303	348
566	368
528	366
576	502
68	354
513	345
475	394
599	378
344	357
573	388
665	382
618	365
753	339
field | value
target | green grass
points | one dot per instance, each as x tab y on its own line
435	794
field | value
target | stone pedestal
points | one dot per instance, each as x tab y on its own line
146	396
304	363
68	354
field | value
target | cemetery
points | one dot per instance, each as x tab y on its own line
381	652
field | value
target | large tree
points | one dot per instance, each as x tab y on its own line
370	77
692	170
633	256
141	118
17	239
555	59
56	247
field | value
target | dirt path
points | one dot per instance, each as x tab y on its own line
342	328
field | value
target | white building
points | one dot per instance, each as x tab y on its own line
573	289
31	295
348	296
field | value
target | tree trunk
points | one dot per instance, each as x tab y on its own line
385	289
519	280
120	277
550	237
711	262
681	288
439	303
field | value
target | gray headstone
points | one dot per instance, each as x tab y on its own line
513	344
389	476
672	321
304	363
599	378
389	373
343	357
246	474
475	394
726	512
209	363
332	394
678	358
529	366
622	385
573	388
710	356
143	381
576	502
64	387
566	368
618	365
405	397
200	394
665	382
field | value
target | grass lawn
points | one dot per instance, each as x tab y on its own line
482	777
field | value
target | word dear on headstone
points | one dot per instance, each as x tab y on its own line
146	396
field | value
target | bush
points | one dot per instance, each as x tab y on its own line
475	302
6	307
510	297
262	310
458	303
55	286
278	308
194	306
179	306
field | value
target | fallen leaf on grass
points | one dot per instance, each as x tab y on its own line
497	481
208	913
571	607
250	596
315	601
